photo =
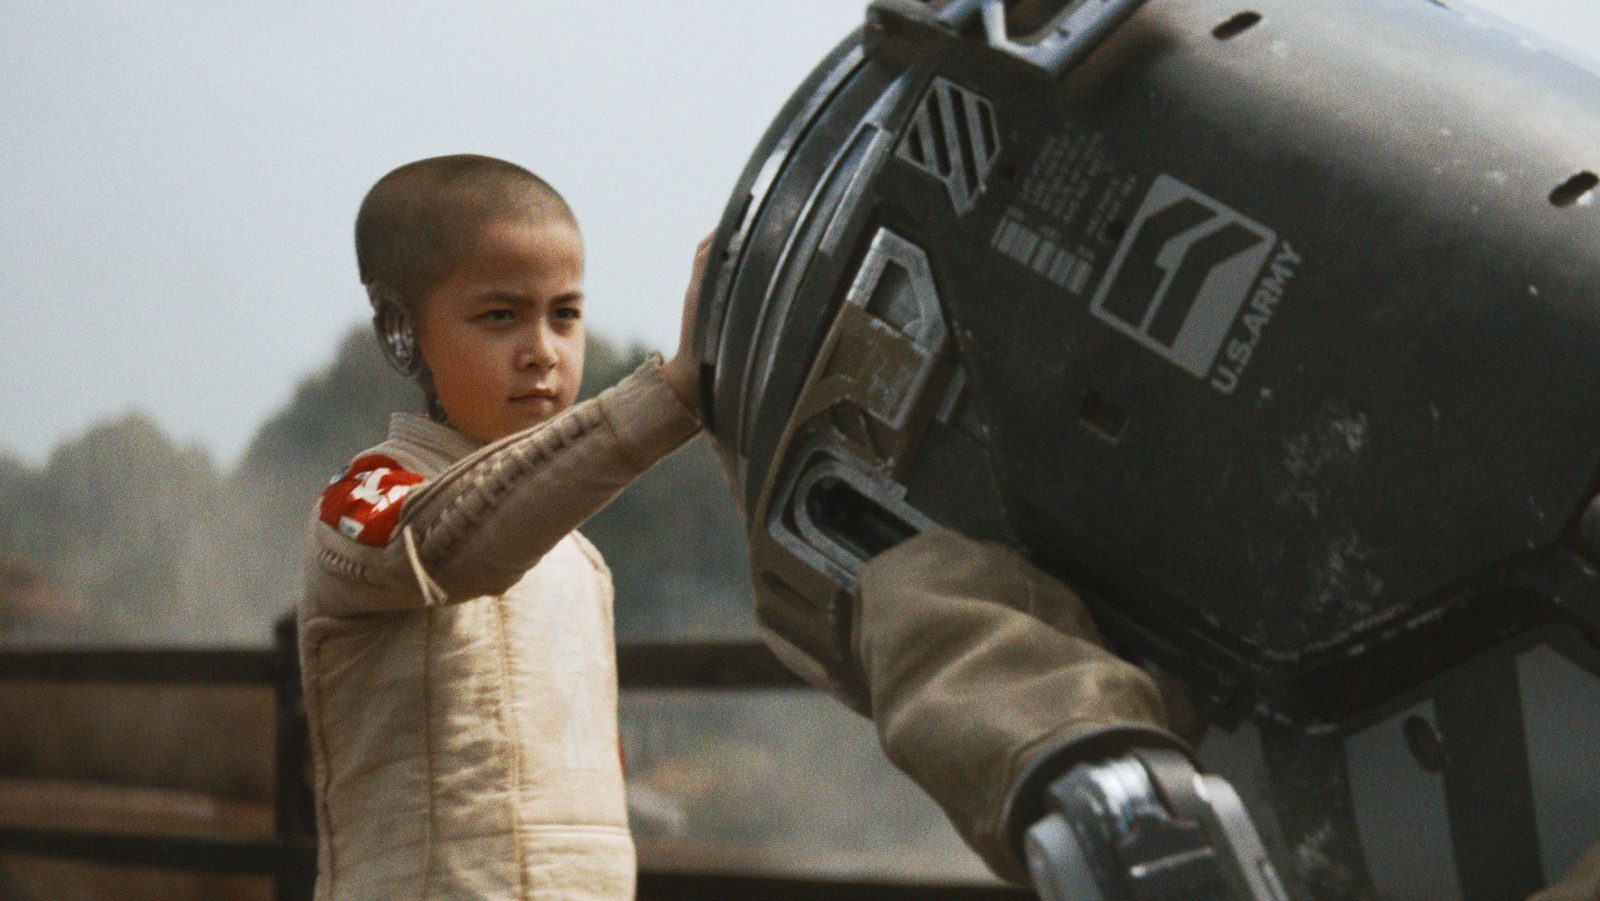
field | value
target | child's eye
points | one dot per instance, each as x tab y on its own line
497	316
568	314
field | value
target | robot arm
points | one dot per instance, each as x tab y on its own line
1147	826
989	686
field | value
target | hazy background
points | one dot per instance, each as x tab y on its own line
183	362
178	179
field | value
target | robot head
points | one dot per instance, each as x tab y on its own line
1269	332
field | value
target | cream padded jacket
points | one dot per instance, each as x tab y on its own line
460	678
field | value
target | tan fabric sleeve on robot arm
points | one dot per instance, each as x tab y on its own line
478	527
977	662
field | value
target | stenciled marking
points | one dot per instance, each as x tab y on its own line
1182	274
1263	303
1041	253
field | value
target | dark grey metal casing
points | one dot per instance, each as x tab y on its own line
1271	329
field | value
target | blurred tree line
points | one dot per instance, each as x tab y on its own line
123	536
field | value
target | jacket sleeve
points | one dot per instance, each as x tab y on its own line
478	527
978	663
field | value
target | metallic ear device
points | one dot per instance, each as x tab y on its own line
396	338
1269	327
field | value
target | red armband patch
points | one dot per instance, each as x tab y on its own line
364	502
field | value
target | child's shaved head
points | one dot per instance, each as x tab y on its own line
417	221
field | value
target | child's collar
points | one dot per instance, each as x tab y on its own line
434	436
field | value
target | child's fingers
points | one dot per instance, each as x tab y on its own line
701	253
691	298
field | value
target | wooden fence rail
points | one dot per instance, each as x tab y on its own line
289	857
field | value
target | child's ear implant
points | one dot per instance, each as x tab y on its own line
396	338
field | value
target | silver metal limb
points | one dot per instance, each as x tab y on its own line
1144	827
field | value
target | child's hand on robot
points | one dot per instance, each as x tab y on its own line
681	372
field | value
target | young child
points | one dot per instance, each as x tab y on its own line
456	631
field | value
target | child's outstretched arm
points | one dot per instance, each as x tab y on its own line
478	527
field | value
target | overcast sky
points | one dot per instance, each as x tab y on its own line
178	179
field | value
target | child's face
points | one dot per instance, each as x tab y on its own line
503	333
